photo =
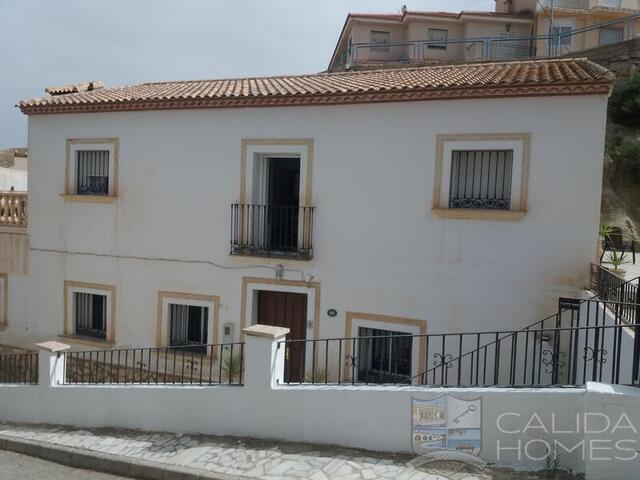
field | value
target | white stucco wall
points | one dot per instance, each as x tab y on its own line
378	246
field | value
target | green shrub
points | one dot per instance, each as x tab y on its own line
624	104
628	156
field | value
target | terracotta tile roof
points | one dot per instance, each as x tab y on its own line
479	80
399	17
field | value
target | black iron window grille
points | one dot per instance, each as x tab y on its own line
92	172
384	356
481	179
188	325
90	314
380	40
437	35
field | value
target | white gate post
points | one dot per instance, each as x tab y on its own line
51	363
264	361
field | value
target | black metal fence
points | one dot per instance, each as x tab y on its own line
215	364
19	368
587	340
272	230
610	287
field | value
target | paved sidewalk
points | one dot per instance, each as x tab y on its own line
245	458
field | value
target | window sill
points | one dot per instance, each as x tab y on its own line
472	214
90	342
89	198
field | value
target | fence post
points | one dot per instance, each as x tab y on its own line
51	363
264	360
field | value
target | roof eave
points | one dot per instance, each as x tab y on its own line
601	87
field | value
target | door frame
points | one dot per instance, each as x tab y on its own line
248	308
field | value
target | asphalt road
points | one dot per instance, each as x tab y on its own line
14	466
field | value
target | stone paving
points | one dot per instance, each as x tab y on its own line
249	458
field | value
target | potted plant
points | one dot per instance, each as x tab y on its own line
617	259
603	235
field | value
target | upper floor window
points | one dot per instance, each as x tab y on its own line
481	179
380	40
92	169
560	36
482	176
92	172
437	35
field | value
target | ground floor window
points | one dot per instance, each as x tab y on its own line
90	314
188	326
384	356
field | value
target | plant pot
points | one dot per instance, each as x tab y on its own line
619	272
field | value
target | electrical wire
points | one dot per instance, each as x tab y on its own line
277	269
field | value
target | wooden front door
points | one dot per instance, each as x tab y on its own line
286	309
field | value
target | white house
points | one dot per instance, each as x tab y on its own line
433	199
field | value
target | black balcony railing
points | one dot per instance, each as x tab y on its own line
272	230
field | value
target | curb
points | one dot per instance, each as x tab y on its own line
107	462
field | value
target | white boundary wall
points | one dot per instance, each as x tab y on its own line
375	418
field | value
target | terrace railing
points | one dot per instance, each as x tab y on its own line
610	287
212	364
19	368
587	340
13	209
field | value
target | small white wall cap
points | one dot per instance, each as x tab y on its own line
266	331
53	346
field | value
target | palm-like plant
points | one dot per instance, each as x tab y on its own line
617	259
604	232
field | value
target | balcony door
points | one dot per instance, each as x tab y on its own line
277	190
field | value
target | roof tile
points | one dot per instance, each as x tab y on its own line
519	78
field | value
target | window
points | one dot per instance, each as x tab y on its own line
384	356
560	36
380	40
610	35
92	172
89	311
437	35
188	326
90	314
481	179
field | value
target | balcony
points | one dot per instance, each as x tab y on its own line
272	231
13	209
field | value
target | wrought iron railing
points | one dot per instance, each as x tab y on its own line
587	340
610	287
272	230
13	209
214	364
19	368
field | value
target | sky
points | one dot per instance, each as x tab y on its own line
121	42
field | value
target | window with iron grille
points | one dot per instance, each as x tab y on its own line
188	325
90	314
384	356
380	40
92	172
481	179
437	35
560	36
